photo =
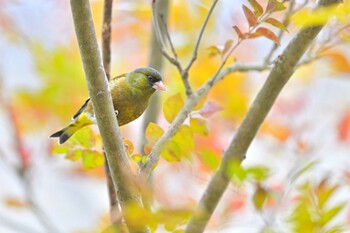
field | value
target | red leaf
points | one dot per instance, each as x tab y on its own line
239	33
209	109
274	5
257	7
251	18
268	34
344	128
276	23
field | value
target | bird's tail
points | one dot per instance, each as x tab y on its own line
65	133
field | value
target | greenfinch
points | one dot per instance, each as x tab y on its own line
130	94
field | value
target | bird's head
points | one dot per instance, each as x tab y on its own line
146	79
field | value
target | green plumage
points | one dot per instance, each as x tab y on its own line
130	95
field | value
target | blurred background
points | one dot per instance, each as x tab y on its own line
296	171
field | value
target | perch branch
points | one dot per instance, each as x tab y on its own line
102	103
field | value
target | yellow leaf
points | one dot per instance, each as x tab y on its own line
172	106
74	155
92	159
172	152
309	18
185	138
199	126
153	132
136	157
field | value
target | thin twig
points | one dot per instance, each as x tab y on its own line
195	51
165	25
285	22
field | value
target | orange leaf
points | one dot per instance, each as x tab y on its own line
239	32
339	61
257	7
276	23
15	203
274	5
129	146
268	34
280	132
251	18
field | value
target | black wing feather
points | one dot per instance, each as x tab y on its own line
81	109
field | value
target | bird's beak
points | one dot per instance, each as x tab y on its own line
159	86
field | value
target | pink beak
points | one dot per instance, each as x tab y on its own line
159	86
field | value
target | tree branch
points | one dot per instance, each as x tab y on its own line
104	113
106	36
156	61
115	212
236	151
190	103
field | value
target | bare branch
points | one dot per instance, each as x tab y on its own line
104	112
236	151
195	51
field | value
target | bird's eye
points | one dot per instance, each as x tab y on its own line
150	78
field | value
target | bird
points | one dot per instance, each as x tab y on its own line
130	95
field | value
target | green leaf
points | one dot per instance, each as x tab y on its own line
257	7
276	23
236	169
153	132
258	173
209	158
259	197
250	16
331	213
59	149
92	159
84	137
172	106
199	126
274	5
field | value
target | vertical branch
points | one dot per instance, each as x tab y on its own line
156	61
115	211
103	108
262	104
106	36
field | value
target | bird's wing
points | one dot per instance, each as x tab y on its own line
81	109
119	76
